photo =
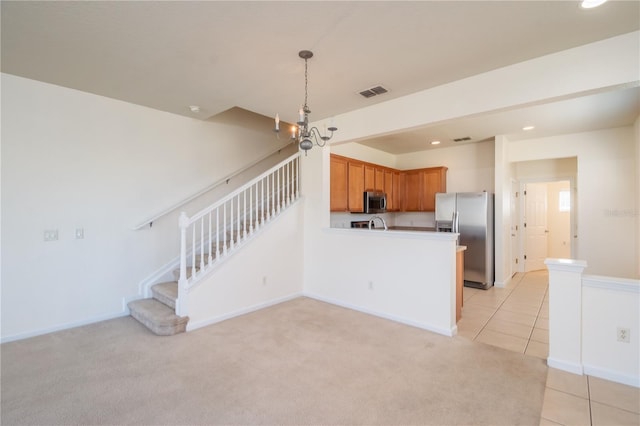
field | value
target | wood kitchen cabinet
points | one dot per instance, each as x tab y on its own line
409	190
434	180
369	177
412	200
420	188
339	184
387	176
355	199
379	181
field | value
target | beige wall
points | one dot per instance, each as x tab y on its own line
76	160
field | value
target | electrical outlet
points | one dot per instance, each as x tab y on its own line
51	235
623	335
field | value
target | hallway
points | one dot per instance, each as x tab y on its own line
516	318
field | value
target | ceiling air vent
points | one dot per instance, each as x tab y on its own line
378	90
466	138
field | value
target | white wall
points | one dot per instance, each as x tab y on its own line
407	277
585	313
267	270
606	194
607	305
471	167
597	66
365	153
636	134
76	160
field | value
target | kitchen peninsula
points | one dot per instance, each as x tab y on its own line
403	275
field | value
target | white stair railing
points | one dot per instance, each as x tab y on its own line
215	232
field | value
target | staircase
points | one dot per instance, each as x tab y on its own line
212	235
158	313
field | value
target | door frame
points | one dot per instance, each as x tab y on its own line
521	212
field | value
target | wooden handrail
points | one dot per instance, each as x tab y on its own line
203	191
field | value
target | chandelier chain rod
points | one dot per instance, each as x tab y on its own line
306	83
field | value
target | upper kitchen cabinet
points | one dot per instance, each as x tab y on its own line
391	181
347	184
410	190
355	199
369	177
434	180
339	184
412	199
420	188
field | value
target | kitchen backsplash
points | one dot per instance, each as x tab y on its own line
422	219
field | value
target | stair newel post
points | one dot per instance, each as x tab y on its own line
183	222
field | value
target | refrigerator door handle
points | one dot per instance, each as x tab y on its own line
454	222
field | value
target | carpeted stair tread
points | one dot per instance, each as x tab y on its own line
157	317
166	293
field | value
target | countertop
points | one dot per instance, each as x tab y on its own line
412	228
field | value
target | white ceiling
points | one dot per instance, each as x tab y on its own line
168	55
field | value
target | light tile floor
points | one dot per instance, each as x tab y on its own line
516	318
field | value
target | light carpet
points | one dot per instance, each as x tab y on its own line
298	363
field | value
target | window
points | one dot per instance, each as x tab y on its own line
564	201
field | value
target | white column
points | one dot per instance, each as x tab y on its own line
181	305
565	314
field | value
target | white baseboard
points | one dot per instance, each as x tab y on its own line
570	367
613	376
502	284
65	326
446	332
191	325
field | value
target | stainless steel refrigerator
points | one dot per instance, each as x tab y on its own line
471	215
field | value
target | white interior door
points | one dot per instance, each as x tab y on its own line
535	226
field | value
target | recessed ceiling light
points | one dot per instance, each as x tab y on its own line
435	142
194	108
528	128
589	4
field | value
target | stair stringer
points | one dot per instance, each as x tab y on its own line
268	269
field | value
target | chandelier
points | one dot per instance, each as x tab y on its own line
301	134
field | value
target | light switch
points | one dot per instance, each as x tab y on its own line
79	233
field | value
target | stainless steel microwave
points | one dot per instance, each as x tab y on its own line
375	202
